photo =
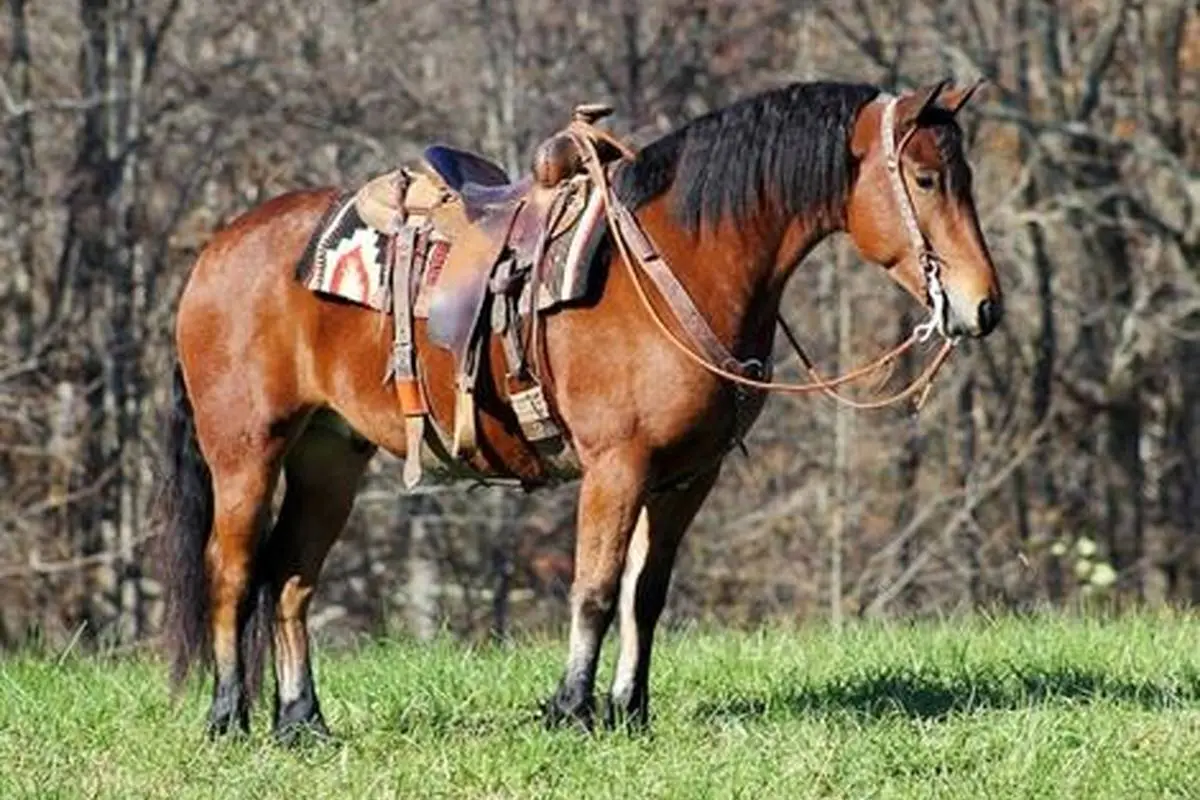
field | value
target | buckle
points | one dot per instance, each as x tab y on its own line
752	368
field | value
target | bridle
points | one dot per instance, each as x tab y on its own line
638	251
927	257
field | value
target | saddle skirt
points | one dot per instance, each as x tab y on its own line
348	258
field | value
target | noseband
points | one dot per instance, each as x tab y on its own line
931	263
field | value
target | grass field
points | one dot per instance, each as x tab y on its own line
976	708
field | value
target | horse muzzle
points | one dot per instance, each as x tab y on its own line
975	320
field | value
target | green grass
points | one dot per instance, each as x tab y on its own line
976	708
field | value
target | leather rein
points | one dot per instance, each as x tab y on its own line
638	251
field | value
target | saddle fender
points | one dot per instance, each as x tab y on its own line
457	298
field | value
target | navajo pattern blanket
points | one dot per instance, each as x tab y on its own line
349	259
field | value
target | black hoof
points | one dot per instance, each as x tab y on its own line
229	714
233	724
629	717
301	721
559	713
301	732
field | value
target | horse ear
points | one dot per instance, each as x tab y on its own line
911	106
954	98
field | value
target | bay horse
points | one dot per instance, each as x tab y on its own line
271	379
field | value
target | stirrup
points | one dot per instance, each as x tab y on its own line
465	441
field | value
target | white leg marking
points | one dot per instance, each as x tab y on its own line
287	676
635	562
579	643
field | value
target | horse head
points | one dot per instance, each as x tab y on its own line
911	210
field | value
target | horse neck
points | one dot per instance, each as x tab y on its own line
736	272
792	241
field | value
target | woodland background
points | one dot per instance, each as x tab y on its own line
1057	460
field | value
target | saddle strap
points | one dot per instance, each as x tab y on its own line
404	246
526	396
403	367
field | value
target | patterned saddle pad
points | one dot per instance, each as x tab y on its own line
349	258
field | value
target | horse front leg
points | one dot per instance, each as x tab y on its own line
647	577
610	498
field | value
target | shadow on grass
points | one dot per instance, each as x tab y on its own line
932	695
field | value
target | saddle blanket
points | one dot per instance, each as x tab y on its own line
349	259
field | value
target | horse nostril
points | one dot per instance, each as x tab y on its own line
990	313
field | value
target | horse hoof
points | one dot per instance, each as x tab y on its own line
618	716
227	725
557	714
300	723
228	713
297	732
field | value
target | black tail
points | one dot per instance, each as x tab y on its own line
187	496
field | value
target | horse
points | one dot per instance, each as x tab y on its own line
272	380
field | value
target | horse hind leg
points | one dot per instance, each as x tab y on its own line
241	506
221	472
321	474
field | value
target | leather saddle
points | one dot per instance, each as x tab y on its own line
512	217
508	221
498	231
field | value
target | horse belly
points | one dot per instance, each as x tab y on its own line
355	347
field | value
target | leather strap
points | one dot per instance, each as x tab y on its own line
412	402
676	296
404	245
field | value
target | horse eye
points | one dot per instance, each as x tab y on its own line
926	181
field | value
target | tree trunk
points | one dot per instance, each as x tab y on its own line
971	544
843	435
17	291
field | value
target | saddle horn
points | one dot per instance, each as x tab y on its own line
558	158
591	112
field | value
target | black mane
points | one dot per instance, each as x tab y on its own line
788	145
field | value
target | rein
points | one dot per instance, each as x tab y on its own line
636	248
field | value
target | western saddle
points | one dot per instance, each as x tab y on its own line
497	232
